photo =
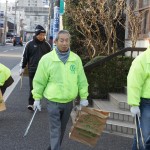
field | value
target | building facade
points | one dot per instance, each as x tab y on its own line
143	7
24	15
36	12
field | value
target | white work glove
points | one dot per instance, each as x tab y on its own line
135	111
84	102
37	105
21	71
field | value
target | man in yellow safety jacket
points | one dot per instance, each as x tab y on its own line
59	78
5	78
138	91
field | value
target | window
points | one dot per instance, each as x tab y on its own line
145	3
134	4
1	14
35	18
145	22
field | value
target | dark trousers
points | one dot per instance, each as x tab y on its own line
58	118
31	76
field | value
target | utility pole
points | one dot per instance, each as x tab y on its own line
15	18
5	24
51	22
49	18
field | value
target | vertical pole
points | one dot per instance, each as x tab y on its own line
5	24
52	18
1	27
56	18
15	18
49	17
51	23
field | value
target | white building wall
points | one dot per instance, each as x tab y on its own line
140	43
32	20
143	42
45	2
31	3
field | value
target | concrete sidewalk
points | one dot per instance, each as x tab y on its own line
14	121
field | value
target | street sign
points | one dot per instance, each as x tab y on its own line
61	7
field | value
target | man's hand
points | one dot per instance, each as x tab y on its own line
84	102
135	111
21	71
37	105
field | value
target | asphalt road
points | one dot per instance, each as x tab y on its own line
10	55
14	121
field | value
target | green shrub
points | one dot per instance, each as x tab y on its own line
108	77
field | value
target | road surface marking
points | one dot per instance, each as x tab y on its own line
10	55
5	51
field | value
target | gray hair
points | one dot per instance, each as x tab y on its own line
62	32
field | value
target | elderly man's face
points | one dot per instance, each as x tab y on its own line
41	36
63	42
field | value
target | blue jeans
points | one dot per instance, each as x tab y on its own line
145	126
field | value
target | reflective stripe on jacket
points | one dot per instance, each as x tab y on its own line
60	82
4	74
138	80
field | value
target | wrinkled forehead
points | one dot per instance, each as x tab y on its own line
63	35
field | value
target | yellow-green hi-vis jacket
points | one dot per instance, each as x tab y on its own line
59	82
138	80
4	74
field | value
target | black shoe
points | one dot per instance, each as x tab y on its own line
30	107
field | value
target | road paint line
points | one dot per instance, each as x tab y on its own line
9	55
5	51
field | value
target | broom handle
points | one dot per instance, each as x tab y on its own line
137	137
141	131
28	127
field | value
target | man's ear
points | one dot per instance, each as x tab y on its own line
55	41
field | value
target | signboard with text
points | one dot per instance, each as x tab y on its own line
56	21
